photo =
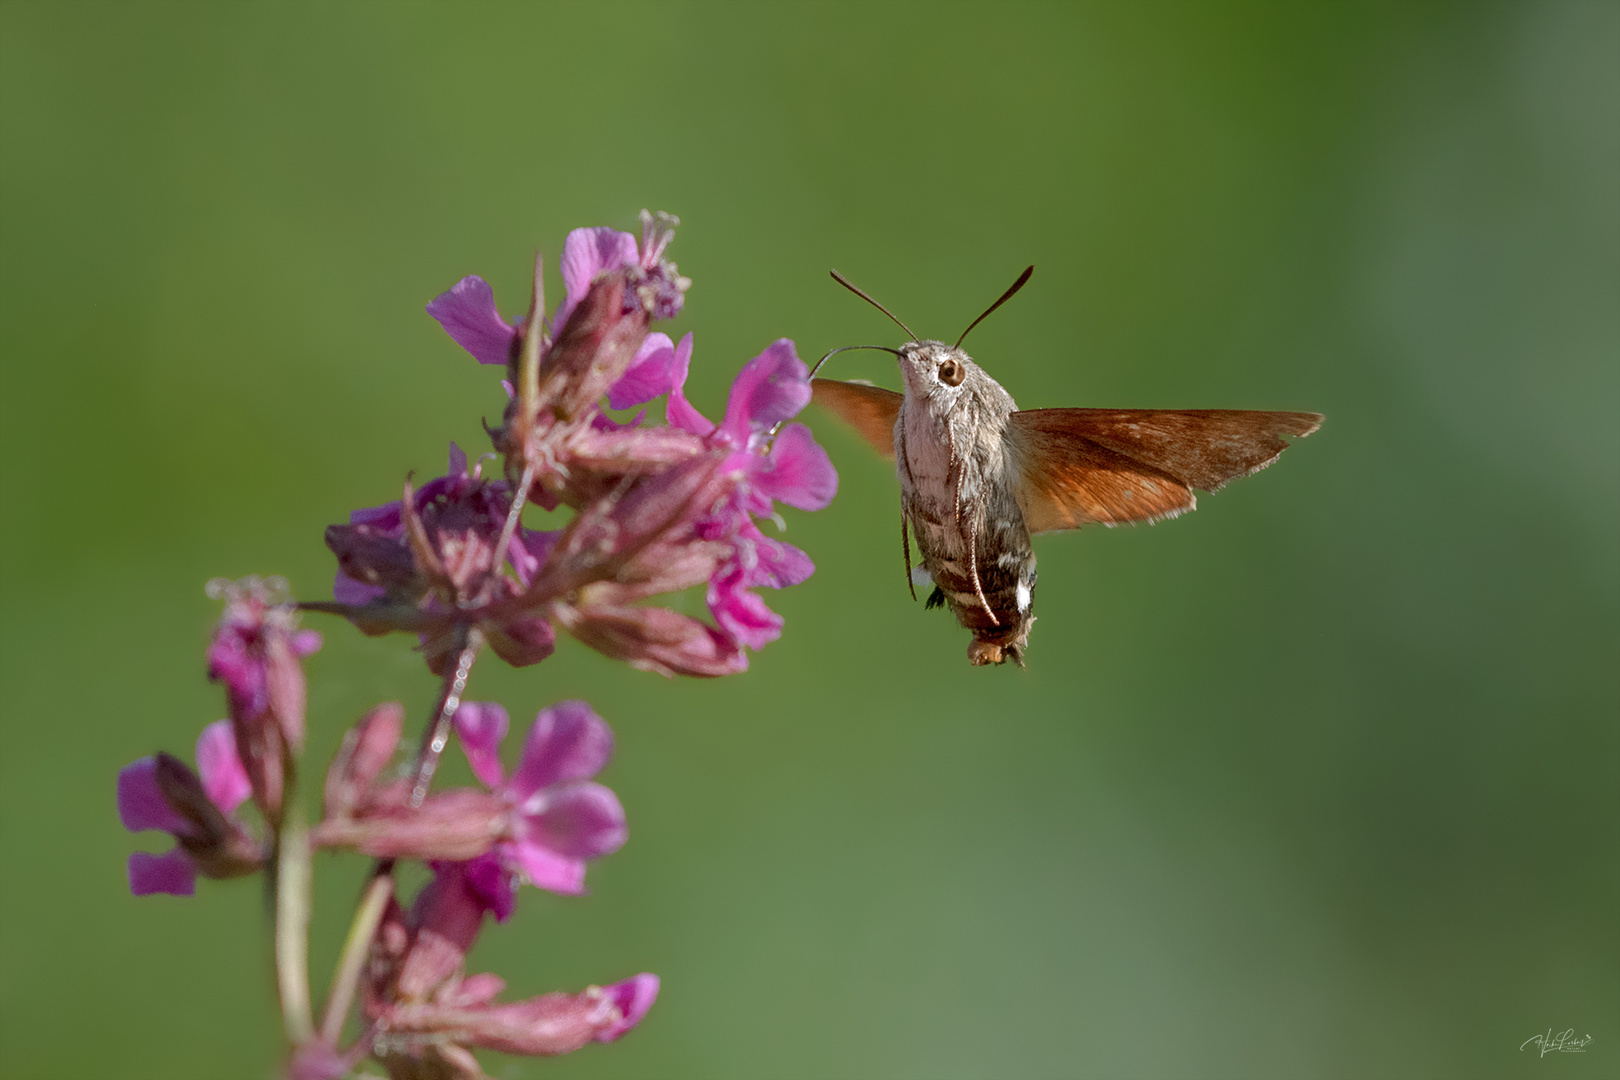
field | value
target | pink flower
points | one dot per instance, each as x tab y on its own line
789	468
590	253
468	313
159	792
561	820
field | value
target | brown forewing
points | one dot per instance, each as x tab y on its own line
871	410
1117	466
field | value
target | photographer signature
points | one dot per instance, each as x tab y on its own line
1564	1043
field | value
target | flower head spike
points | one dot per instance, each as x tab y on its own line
159	792
562	820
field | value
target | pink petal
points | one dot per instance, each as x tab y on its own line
772	386
481	725
141	804
576	821
567	742
633	997
745	617
223	777
467	313
779	564
800	473
477	989
171	872
648	375
546	869
678	412
306	642
458	461
587	253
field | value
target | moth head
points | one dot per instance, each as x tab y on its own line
933	366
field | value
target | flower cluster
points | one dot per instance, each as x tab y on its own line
656	509
661	508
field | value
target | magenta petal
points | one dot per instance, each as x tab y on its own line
772	386
467	313
648	375
678	412
141	804
223	777
567	742
633	997
576	821
346	590
529	551
171	872
778	564
386	516
800	473
587	253
546	869
481	725
492	883
744	615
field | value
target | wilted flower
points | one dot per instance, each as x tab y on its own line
255	653
159	792
419	568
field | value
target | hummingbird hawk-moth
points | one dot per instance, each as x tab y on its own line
979	476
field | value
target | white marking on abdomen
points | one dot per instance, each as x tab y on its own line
1023	597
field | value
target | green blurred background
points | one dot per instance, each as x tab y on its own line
1321	780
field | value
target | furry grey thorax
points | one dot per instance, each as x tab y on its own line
957	481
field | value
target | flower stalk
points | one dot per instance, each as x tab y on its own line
292	890
379	892
656	509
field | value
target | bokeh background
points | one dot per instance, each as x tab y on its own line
1321	780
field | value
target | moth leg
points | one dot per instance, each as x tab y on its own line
905	546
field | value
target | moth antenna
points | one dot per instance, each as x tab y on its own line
852	287
1006	296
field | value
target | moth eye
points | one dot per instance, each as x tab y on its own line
951	373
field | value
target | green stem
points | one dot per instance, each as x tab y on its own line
292	926
346	978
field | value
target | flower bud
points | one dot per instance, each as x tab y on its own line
653	639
